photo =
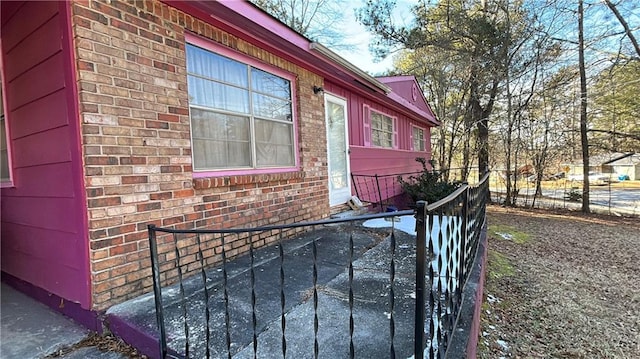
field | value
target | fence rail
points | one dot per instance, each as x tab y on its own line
379	190
327	288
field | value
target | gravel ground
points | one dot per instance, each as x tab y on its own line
561	285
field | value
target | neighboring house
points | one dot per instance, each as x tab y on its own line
597	164
626	166
188	114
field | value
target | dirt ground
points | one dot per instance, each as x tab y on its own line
561	285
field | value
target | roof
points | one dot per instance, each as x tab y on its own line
603	159
410	93
245	20
629	160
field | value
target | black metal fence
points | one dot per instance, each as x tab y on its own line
330	288
379	190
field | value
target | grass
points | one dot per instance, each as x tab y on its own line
499	266
560	285
506	232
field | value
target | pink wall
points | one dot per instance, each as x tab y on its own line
44	232
366	160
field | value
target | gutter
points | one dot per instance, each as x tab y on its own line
324	51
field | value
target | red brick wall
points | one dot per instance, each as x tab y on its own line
136	143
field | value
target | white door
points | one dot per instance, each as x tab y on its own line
337	149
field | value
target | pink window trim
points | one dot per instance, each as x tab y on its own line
6	183
366	125
238	56
244	172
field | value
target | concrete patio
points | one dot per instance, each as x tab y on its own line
135	320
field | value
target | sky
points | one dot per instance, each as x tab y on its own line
358	35
363	59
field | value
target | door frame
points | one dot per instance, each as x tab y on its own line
343	195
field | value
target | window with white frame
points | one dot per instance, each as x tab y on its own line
382	131
418	139
241	115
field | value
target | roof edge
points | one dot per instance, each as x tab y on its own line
327	53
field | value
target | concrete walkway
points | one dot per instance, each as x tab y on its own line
29	329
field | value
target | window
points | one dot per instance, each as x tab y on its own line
5	172
241	115
418	139
382	132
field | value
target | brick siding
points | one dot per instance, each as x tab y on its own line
130	59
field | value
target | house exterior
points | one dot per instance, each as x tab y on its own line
628	166
597	164
120	114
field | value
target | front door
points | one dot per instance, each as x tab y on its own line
337	150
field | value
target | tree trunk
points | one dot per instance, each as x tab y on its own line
583	111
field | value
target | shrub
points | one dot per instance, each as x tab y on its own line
428	186
573	196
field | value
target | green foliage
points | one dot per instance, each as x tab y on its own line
428	186
615	109
573	196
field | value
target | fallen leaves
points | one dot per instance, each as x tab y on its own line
570	290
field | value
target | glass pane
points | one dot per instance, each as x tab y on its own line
267	83
274	144
337	146
376	121
214	66
388	124
213	94
271	107
219	140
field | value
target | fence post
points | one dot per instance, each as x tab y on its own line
379	193
463	242
355	185
421	237
157	290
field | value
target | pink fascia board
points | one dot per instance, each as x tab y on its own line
424	115
268	22
390	79
249	22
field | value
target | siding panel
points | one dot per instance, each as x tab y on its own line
53	108
43	181
26	20
50	213
39	81
41	44
51	146
43	229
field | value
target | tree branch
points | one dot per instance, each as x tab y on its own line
625	25
621	134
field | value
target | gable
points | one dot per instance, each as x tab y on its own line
406	90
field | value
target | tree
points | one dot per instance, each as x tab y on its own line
583	110
442	77
476	33
625	25
615	109
319	20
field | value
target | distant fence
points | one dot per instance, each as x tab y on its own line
611	198
209	305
